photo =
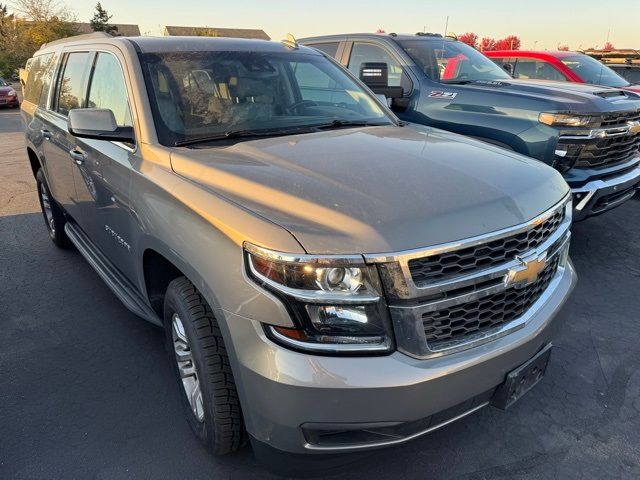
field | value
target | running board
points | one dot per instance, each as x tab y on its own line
122	287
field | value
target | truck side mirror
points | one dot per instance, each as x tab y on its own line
98	124
375	75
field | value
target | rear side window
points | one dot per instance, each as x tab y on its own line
72	83
39	79
108	88
529	68
330	48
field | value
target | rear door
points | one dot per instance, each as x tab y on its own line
103	169
69	93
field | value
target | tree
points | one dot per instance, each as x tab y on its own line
563	48
32	23
487	44
512	42
100	21
608	47
469	38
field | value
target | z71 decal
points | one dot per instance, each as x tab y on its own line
442	95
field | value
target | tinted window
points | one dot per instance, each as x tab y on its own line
449	61
39	79
330	49
198	94
367	52
630	74
592	71
529	68
72	84
108	89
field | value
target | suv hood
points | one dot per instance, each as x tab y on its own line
559	96
376	189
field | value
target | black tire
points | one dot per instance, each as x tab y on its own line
221	427
56	222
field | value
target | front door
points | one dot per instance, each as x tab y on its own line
103	169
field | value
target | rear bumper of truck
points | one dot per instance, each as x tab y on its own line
309	404
606	191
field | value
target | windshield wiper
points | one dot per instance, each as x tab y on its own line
232	134
349	123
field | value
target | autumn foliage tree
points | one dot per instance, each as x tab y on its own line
487	44
608	47
469	38
563	48
511	42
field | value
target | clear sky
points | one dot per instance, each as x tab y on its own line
540	23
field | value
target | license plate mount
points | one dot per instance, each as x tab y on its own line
522	379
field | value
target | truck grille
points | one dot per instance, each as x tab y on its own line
593	151
608	151
618	119
467	260
462	322
455	296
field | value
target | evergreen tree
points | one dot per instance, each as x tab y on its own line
100	21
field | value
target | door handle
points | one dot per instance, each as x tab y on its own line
77	156
46	134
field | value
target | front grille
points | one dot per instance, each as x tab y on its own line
469	320
619	119
608	151
467	260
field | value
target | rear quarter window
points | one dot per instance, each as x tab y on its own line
39	79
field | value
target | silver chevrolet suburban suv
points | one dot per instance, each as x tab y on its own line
330	279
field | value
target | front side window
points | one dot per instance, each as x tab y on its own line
367	53
592	71
530	68
200	94
108	88
72	84
449	61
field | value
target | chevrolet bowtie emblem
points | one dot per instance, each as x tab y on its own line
528	272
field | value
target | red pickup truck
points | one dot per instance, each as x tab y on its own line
559	66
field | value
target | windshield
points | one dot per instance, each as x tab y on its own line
448	61
208	94
592	71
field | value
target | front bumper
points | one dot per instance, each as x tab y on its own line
595	197
9	102
289	398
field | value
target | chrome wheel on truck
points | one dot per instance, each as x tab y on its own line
187	368
53	216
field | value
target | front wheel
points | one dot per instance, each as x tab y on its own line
202	368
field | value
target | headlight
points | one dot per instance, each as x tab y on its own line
12	93
335	302
564	120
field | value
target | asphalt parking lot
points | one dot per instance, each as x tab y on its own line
86	390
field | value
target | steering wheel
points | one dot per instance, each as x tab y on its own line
294	106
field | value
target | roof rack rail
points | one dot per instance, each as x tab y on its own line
75	38
428	34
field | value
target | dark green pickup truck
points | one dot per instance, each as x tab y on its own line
591	134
